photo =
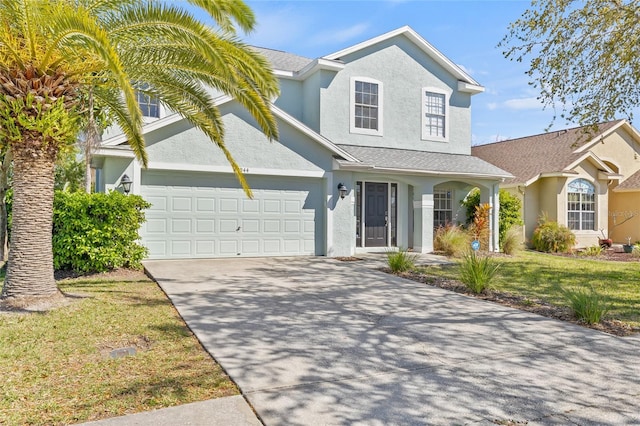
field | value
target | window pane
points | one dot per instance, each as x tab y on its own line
581	205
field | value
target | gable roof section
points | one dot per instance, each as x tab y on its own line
283	61
121	140
528	158
631	184
420	162
466	83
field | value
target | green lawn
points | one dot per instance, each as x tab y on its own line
538	276
55	366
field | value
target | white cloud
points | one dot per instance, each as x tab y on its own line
338	36
492	105
523	103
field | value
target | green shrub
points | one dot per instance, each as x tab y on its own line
551	237
509	214
476	272
591	251
636	250
588	306
401	261
97	232
512	241
452	240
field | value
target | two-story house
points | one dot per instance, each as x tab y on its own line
374	153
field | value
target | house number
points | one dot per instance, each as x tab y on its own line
245	170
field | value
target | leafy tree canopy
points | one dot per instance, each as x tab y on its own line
585	57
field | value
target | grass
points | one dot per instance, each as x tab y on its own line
540	276
55	366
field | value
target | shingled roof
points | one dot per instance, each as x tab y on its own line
528	157
283	61
422	161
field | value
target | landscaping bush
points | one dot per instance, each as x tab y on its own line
97	232
512	241
479	228
509	214
401	261
476	272
452	240
588	306
592	251
551	237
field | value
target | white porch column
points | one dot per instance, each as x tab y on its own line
423	217
494	225
329	208
136	178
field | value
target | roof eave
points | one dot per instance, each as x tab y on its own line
395	170
424	45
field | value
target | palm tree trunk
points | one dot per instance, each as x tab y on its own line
30	267
4	187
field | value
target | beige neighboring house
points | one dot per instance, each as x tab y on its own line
588	182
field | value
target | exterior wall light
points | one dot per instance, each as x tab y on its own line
126	182
342	190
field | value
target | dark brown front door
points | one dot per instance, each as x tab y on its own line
376	214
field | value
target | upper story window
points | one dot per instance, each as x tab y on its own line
149	105
581	206
434	115
366	106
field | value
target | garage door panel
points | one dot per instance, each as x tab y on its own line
181	226
205	205
214	218
180	248
205	226
180	204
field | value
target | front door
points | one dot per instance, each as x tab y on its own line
376	216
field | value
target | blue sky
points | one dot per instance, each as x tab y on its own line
467	32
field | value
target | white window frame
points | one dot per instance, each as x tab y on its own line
437	207
352	107
580	202
423	120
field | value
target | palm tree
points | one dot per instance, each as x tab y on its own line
51	51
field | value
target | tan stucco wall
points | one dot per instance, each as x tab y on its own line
624	216
620	150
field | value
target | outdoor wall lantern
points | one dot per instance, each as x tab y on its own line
125	182
342	190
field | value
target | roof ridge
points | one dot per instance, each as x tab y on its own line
567	130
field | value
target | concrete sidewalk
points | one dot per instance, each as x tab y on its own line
319	341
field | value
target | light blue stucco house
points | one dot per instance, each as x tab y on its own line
387	120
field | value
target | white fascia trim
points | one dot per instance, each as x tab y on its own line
590	156
312	134
473	89
156	165
319	64
158	124
423	172
311	68
609	176
114	152
150	127
426	47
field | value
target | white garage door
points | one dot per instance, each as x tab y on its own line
204	215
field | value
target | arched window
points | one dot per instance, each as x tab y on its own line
581	208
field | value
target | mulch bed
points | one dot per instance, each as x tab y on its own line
535	306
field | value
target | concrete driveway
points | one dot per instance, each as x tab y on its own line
314	341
